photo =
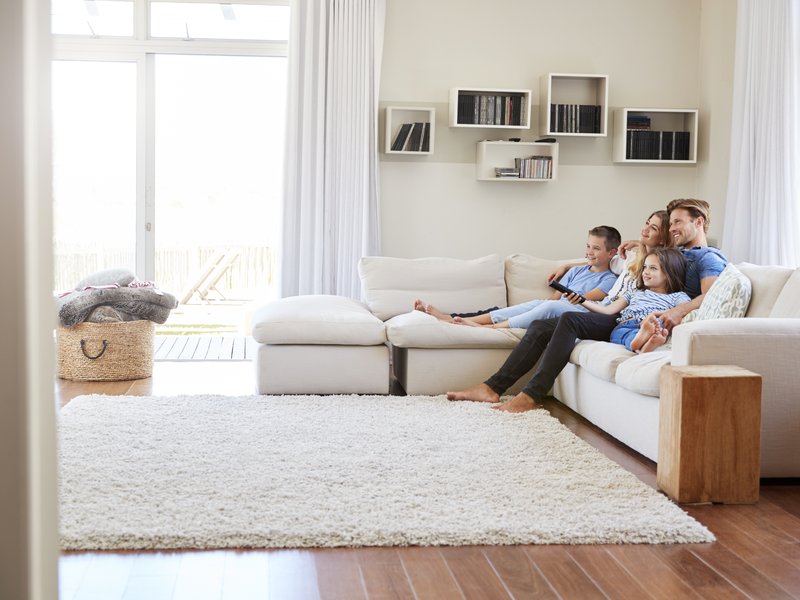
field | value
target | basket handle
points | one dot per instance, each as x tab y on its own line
99	354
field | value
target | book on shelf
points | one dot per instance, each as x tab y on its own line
534	167
646	144
506	172
401	137
426	137
490	109
575	118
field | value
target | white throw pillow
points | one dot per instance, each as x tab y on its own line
727	298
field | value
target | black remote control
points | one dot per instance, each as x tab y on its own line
565	290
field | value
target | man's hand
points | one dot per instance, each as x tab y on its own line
623	248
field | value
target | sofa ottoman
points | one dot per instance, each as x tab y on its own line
320	344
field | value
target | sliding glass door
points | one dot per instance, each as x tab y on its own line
94	168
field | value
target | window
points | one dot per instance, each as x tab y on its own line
168	144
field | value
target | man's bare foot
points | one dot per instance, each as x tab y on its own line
519	403
658	339
648	327
478	393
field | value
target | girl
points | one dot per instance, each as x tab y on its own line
658	287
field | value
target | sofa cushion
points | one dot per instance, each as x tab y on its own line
601	359
526	277
641	373
727	298
391	285
317	319
419	330
767	283
788	304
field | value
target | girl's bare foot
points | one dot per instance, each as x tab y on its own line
519	403
478	393
658	339
648	327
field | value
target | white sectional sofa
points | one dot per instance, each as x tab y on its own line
611	387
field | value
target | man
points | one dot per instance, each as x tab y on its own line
554	339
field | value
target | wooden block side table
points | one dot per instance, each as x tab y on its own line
709	434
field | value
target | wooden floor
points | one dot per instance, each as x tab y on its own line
204	347
757	553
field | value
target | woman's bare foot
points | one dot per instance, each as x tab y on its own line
648	327
465	321
519	403
658	339
478	393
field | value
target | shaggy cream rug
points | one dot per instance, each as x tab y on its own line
301	471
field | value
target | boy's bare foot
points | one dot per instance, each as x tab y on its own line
658	339
648	327
419	305
519	403
478	393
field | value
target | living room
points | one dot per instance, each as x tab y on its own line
660	55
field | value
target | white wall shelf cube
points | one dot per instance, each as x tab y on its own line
651	137
490	108
573	105
502	154
412	142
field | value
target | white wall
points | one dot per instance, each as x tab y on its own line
432	205
29	538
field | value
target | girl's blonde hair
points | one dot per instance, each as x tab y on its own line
673	264
635	266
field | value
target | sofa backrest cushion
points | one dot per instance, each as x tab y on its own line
526	277
728	297
391	285
788	302
767	283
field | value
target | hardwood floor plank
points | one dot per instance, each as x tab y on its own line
563	574
607	573
72	569
773	527
338	574
652	573
106	577
384	575
246	576
732	533
519	575
251	348
293	575
238	350
431	578
785	496
200	576
473	573
703	580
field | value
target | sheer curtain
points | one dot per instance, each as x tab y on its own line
330	203
762	215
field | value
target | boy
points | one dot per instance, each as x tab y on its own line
592	280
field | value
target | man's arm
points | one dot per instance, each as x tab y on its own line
674	316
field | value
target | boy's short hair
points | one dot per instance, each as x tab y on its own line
610	234
696	208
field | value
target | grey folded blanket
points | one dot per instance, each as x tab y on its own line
142	303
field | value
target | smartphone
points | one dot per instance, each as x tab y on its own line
565	290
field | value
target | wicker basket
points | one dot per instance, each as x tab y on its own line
106	351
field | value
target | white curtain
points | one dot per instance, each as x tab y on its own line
330	217
762	214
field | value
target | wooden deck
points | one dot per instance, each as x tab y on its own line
204	347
